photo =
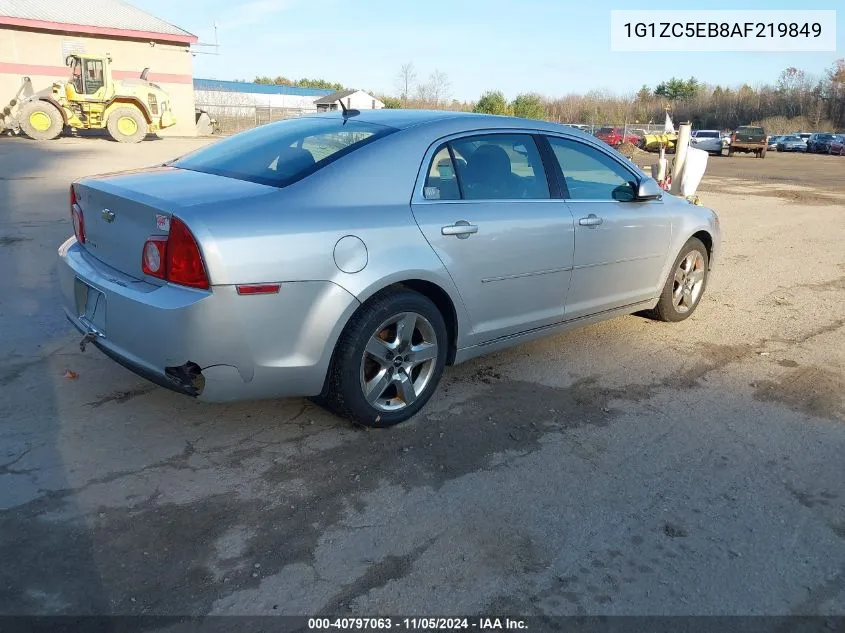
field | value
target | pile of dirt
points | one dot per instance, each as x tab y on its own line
628	149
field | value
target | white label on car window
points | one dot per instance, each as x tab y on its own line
431	193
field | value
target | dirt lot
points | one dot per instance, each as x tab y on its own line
631	467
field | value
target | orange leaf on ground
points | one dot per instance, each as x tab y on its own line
71	375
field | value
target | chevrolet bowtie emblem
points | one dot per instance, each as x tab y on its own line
108	216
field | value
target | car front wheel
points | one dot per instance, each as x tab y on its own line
685	285
388	361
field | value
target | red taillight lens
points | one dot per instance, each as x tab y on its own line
175	257
76	217
154	258
184	260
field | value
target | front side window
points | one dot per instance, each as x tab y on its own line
590	174
93	76
281	153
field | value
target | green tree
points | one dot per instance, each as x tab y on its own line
644	93
678	89
492	102
391	103
319	83
529	106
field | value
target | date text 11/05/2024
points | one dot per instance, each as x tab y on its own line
417	624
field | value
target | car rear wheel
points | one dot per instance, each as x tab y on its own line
685	285
388	361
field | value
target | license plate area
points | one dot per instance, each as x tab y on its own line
90	306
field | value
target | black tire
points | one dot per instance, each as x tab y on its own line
763	153
140	125
666	309
47	112
343	393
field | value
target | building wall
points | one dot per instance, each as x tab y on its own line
216	101
40	55
362	101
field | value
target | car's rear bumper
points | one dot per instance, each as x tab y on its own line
216	345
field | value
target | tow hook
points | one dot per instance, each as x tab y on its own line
86	339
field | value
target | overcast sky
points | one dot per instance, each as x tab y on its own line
547	46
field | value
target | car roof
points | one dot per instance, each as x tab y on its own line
403	119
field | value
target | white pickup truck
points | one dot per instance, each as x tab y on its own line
711	141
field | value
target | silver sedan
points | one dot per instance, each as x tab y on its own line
350	256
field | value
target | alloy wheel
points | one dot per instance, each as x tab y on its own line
399	361
689	282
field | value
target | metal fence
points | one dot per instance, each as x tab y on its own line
232	119
629	128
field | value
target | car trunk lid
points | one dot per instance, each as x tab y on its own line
122	211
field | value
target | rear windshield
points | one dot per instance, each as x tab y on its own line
750	130
824	137
707	134
282	153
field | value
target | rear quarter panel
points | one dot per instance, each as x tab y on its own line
291	235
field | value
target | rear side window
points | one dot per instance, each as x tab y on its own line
487	167
441	183
282	153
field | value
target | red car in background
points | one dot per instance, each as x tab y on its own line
615	136
837	146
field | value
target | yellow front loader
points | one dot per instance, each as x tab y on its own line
92	100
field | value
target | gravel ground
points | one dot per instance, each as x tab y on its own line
631	467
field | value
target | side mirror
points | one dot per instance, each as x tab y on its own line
649	190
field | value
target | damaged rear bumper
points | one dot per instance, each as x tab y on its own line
214	345
186	379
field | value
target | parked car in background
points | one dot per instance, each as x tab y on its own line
269	265
615	136
805	136
773	142
819	143
791	144
710	141
837	146
749	139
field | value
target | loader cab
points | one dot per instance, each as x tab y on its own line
90	78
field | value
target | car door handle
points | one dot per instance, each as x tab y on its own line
460	229
590	220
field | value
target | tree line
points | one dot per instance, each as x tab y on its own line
797	101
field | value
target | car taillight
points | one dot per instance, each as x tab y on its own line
154	258
175	258
77	217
